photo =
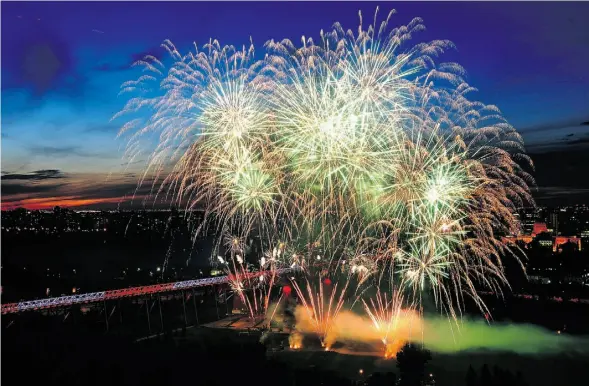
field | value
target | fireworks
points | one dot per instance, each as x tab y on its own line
392	323
253	285
357	152
295	341
322	307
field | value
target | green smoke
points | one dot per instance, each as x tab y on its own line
444	336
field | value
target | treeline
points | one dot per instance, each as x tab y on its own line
51	355
497	377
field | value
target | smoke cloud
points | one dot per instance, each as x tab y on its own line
435	333
348	328
441	335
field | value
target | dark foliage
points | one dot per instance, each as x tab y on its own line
498	377
411	361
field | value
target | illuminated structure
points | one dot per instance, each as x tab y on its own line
540	228
561	240
528	217
554	222
65	301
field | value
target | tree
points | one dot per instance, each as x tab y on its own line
411	361
519	379
486	376
381	379
471	377
390	378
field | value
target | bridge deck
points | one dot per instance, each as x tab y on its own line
65	301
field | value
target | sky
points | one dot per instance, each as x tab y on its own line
62	65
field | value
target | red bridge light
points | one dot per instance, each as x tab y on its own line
286	290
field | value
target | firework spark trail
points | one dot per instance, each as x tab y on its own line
357	148
254	285
385	328
239	280
393	323
322	315
271	318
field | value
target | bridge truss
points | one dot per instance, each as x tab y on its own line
93	297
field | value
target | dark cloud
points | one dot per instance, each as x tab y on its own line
538	148
123	189
107	67
561	195
37	175
85	186
579	141
559	191
551	126
157	52
552	136
65	151
38	59
585	123
26	188
560	177
561	168
33	183
569	140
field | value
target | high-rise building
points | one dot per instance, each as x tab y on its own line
539	228
527	218
554	222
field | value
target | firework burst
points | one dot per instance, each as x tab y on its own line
357	148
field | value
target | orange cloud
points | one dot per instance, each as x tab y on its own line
43	190
63	201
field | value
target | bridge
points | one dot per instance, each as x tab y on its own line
93	297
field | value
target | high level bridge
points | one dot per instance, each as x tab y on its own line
93	297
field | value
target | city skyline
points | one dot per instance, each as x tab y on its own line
63	64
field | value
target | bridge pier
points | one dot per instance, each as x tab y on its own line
74	316
105	314
195	309
226	303
147	312
184	308
216	301
120	311
159	300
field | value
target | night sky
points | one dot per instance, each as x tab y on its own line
62	64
